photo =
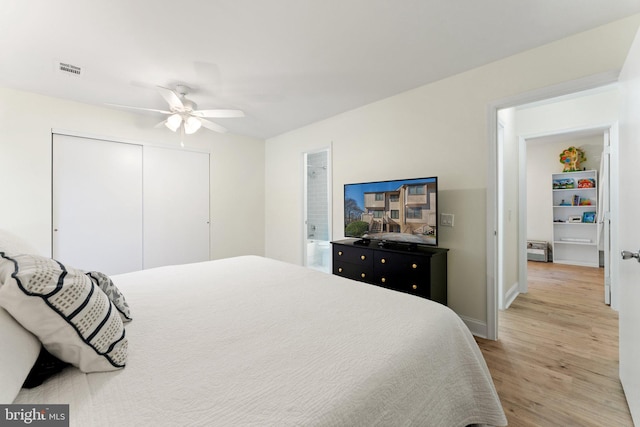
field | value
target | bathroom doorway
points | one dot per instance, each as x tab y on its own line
317	210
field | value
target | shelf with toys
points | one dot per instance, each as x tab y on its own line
574	200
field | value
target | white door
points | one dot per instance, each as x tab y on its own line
97	204
176	206
629	231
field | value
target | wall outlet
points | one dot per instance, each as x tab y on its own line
446	220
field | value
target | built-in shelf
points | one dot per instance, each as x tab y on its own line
575	242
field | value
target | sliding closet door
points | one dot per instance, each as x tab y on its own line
97	204
176	206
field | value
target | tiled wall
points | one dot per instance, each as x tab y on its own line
317	203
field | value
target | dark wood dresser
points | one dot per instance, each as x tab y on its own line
418	270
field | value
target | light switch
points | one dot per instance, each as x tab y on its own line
446	220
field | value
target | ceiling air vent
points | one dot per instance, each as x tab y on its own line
69	69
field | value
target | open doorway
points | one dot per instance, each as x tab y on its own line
534	136
580	230
564	116
317	210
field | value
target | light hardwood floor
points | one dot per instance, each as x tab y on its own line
556	360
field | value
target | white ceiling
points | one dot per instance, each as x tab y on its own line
286	63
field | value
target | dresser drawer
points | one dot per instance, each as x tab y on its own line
412	284
353	255
352	271
406	264
417	288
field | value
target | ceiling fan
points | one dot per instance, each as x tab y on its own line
183	113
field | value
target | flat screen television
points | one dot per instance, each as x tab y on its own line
404	210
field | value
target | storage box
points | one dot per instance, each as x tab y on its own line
537	250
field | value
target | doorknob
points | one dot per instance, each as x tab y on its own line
629	255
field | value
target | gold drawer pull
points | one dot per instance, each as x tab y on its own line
414	265
339	253
362	275
383	260
362	257
383	280
414	286
339	269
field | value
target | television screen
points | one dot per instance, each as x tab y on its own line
400	211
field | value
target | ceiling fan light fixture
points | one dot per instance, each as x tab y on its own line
173	122
191	125
183	113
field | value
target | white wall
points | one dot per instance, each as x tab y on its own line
26	120
565	113
438	129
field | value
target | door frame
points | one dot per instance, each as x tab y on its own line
493	240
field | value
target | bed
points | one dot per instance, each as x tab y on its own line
250	341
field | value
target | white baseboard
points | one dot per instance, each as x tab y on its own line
477	327
511	295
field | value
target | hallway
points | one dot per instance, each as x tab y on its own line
556	361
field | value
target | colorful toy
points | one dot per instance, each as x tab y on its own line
571	159
563	183
586	183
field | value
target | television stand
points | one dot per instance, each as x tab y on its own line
403	267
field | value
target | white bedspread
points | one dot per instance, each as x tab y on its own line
250	341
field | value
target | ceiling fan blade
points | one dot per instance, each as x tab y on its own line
140	108
161	124
212	126
220	114
172	98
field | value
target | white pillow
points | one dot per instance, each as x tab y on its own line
72	317
12	244
18	352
